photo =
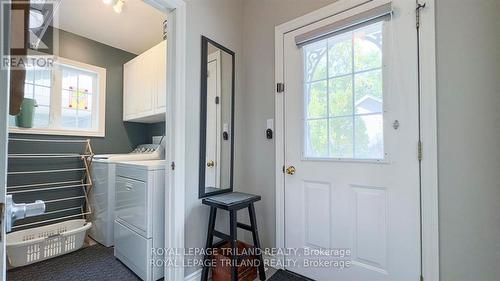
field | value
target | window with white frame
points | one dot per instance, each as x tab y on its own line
343	95
70	99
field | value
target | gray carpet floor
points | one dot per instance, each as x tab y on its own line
96	263
282	275
93	263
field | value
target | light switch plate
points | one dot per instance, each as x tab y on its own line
270	124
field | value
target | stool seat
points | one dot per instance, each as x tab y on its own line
231	201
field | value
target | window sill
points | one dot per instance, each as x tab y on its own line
56	132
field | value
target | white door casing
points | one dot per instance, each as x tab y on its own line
4	101
366	206
213	145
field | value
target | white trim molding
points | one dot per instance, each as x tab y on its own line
175	132
429	176
429	164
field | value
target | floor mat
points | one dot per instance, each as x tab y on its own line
92	263
282	275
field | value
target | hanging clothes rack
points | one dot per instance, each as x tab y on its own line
39	187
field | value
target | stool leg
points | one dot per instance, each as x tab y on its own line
256	241
234	244
209	243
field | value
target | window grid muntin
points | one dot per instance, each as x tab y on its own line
76	91
353	73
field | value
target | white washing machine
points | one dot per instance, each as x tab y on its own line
102	196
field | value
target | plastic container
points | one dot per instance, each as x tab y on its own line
25	118
37	244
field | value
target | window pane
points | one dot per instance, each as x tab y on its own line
42	96
85	83
341	135
368	87
347	122
84	119
341	96
69	80
368	47
12	121
28	91
41	118
82	100
316	138
315	61
66	99
340	55
43	77
316	94
68	118
30	76
369	140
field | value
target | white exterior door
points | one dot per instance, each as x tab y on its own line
212	170
351	135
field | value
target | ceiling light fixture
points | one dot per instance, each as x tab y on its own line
118	7
108	2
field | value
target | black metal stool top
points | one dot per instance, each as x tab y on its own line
231	201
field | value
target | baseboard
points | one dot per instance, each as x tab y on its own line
195	276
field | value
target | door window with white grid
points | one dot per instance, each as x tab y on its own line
343	95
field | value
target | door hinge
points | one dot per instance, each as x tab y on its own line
280	87
421	278
217	100
172	166
419	8
420	151
2	219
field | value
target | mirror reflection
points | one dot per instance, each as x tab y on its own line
217	99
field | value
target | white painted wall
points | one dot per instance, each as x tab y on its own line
468	79
257	169
468	64
221	21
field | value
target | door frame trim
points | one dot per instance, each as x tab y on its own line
4	133
429	168
175	131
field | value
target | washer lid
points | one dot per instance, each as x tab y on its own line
126	157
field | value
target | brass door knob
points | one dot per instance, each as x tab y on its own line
290	170
210	163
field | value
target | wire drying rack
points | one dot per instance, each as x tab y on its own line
52	186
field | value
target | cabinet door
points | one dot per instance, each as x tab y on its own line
129	85
161	53
144	97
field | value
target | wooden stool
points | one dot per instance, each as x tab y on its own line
232	202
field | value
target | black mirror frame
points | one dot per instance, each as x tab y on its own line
203	117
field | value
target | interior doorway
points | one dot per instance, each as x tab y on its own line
176	14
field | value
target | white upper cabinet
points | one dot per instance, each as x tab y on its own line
145	86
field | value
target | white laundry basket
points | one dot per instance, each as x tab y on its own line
37	244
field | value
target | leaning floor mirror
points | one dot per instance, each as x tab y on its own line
217	119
